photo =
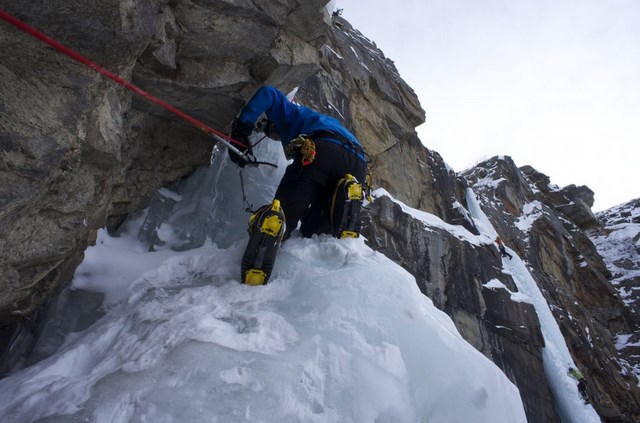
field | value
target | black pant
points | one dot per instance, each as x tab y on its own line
582	389
503	252
305	192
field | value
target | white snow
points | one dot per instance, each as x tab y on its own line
431	220
530	213
489	182
622	341
518	297
336	109
341	334
335	53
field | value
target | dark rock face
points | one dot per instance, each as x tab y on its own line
618	242
530	215
572	201
79	153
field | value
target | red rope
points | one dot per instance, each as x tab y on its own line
74	55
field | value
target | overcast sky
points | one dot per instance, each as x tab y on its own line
552	83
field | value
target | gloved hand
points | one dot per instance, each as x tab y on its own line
241	132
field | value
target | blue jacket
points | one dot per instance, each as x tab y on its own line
291	120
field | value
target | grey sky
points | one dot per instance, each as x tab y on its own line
552	83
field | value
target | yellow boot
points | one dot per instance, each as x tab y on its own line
266	227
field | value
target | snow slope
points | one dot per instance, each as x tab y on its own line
341	334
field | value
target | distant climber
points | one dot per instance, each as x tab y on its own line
322	188
503	252
574	373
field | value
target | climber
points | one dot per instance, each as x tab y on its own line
503	252
574	373
321	188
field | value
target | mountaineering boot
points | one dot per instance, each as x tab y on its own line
266	227
345	208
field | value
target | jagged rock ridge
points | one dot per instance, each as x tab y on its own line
545	225
617	240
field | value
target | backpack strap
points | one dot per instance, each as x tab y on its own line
340	139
